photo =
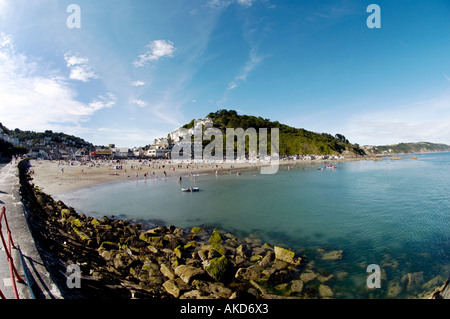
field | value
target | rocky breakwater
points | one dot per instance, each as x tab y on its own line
121	259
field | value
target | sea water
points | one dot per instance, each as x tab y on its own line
392	213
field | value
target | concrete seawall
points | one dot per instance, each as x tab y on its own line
40	282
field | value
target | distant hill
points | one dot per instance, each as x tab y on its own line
293	141
407	148
32	139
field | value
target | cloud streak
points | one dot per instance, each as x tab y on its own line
156	50
253	61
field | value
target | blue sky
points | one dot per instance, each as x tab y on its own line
137	70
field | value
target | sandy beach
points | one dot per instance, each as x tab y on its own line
58	177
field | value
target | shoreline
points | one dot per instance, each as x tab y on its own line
60	177
79	228
119	259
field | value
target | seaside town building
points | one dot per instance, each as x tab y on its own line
158	153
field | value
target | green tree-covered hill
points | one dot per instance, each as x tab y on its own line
293	141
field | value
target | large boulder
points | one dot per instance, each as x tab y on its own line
296	286
217	268
254	272
166	271
243	251
216	242
172	288
308	275
151	238
216	238
267	260
122	260
186	273
325	291
332	255
286	256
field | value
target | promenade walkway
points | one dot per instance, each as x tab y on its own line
40	280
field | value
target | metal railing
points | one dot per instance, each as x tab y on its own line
8	246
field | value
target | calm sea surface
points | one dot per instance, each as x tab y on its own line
393	213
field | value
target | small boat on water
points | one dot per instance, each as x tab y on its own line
191	189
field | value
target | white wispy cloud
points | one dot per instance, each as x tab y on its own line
138	83
102	102
79	68
253	61
139	103
34	98
156	50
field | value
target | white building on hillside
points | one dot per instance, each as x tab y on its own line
199	125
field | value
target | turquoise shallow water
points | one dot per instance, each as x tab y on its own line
392	213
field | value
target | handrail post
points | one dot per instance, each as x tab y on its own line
8	248
8	231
